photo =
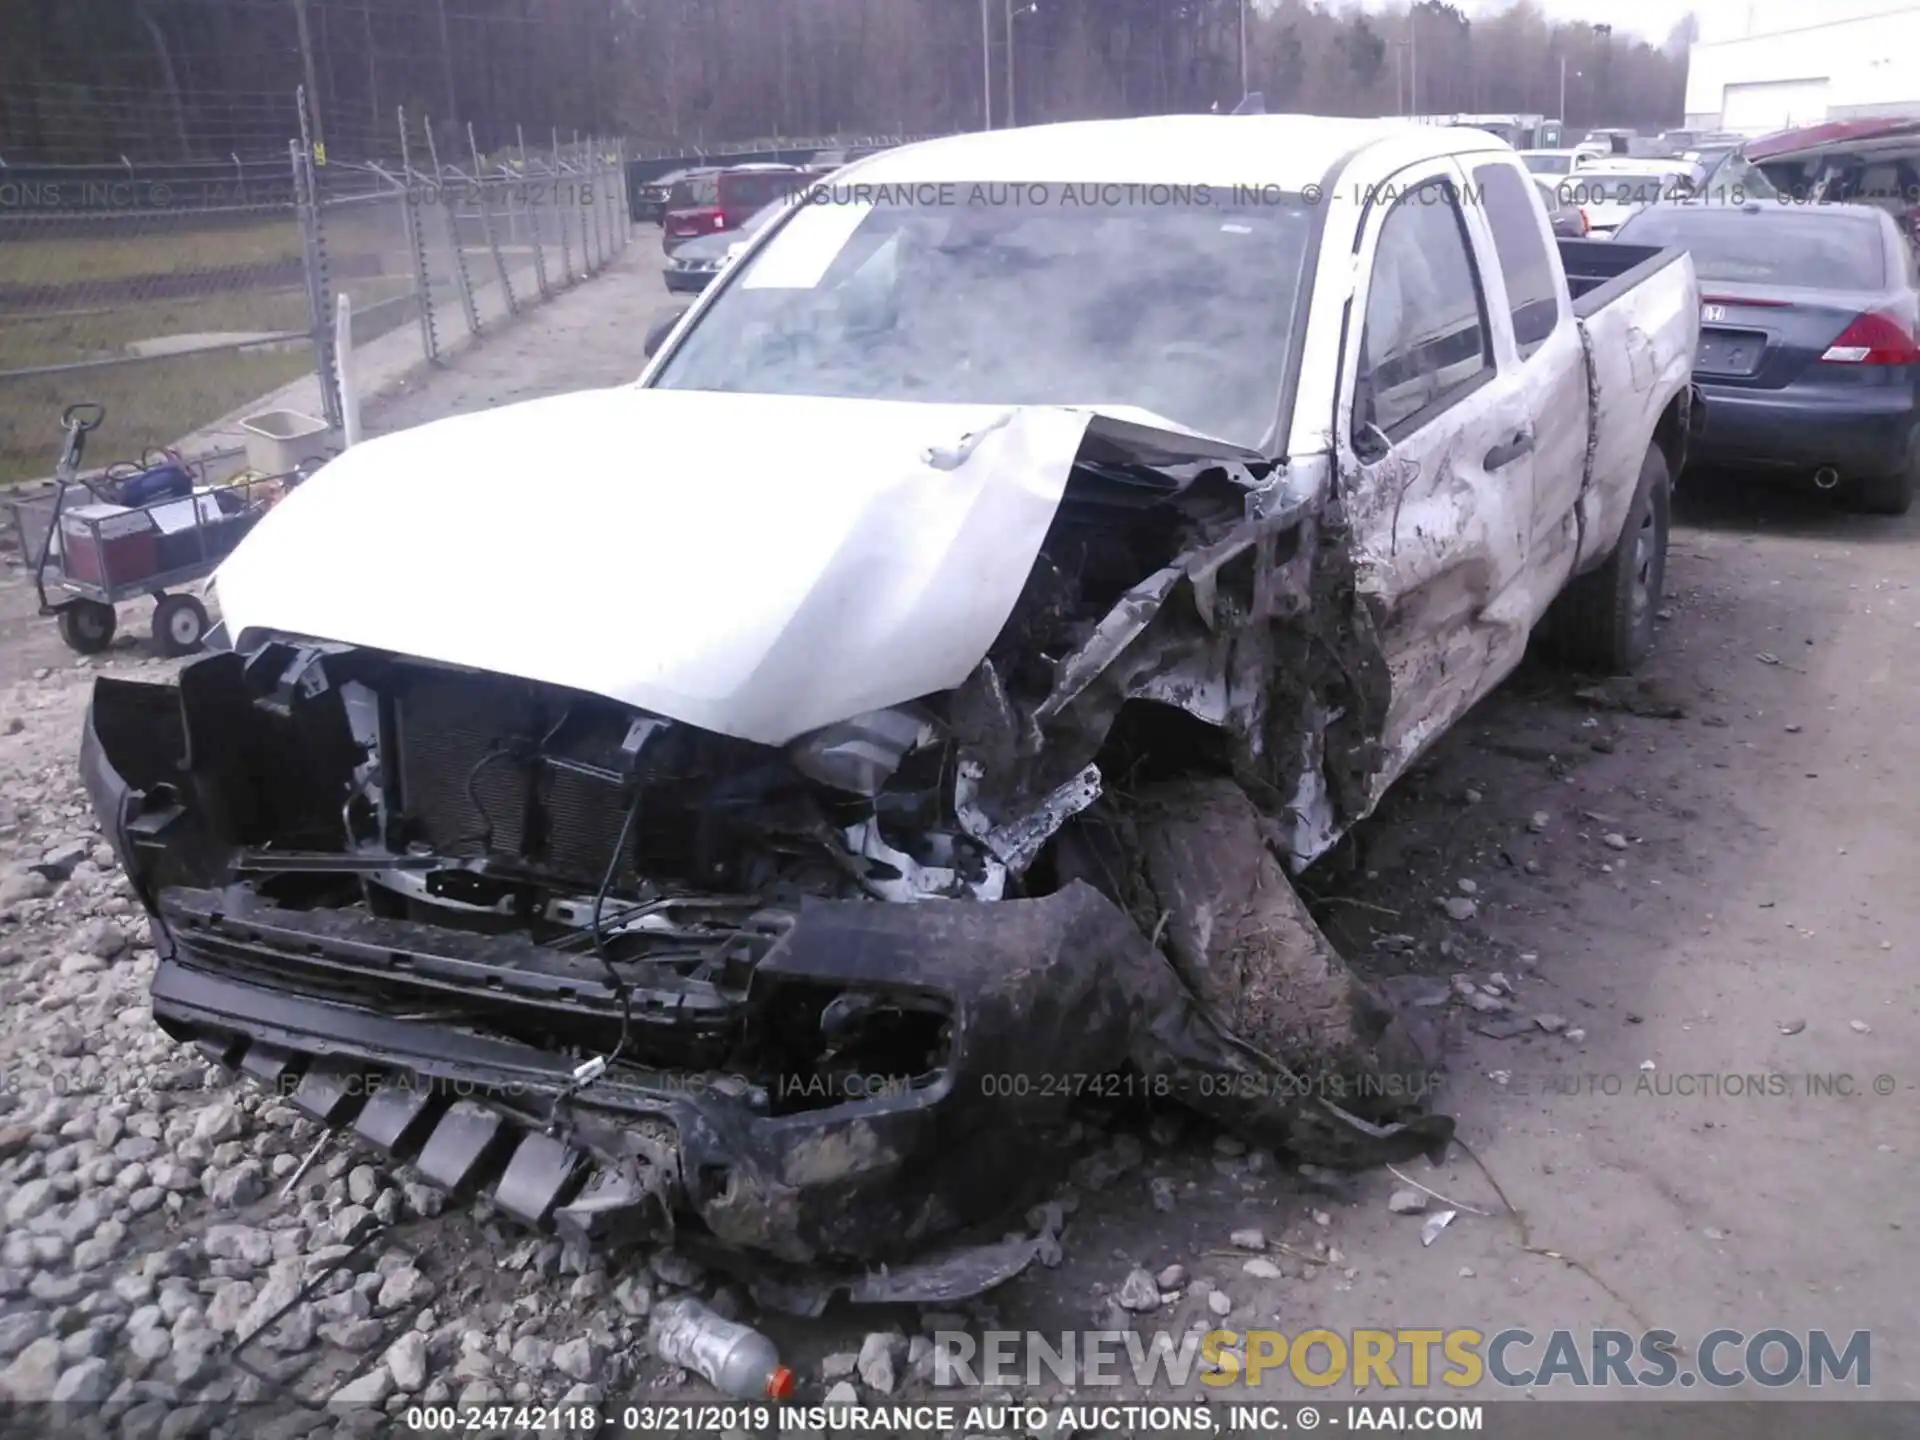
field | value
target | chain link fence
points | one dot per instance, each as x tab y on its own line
169	296
179	295
448	246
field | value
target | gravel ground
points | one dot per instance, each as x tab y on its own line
1603	890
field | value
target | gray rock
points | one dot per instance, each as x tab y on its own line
171	1174
246	1243
150	1347
230	1305
193	1356
674	1268
242	1185
633	1295
407	1362
1248	1239
103	938
23	885
1459	907
370	1389
531	1352
879	1353
843	1396
1407	1202
403	1288
350	1223
87	1383
28	1201
1173	1277
34	1372
579	1360
1219	1302
423	1200
362	1185
839	1365
146	1200
86	1343
1138	1293
51	1288
19	1330
1263	1269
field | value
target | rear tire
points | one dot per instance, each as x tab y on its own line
1886	494
1604	620
179	624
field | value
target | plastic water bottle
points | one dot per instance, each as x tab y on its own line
736	1360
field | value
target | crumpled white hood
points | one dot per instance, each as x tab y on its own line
756	565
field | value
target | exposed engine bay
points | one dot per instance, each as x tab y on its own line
824	1002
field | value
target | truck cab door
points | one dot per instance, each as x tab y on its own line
1434	441
1548	358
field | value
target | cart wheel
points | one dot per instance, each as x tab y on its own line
179	624
87	626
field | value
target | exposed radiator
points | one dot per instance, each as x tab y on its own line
468	782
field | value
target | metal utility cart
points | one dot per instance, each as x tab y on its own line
91	551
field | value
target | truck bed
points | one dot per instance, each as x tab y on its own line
1601	271
1638	307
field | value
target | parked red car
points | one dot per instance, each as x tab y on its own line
720	200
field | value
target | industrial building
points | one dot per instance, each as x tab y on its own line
1783	63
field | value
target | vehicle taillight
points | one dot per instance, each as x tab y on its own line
1875	338
719	219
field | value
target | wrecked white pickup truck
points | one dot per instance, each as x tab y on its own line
762	799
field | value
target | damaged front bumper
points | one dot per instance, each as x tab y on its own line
338	1011
459	1051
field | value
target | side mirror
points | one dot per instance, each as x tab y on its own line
661	328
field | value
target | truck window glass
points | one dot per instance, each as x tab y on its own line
1181	304
1532	291
1424	344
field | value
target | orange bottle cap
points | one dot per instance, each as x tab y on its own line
780	1383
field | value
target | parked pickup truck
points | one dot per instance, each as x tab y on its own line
766	795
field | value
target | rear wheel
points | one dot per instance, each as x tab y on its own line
1604	620
179	624
87	626
1887	494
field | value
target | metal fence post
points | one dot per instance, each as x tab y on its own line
417	248
319	296
461	279
533	217
486	224
626	197
560	210
589	237
608	200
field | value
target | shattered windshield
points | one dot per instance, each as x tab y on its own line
1175	299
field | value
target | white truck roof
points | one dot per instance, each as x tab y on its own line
1291	151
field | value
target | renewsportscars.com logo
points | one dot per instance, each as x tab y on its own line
1404	1358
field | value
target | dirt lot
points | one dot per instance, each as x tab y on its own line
1698	1096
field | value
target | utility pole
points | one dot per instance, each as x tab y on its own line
1030	7
1243	49
986	64
313	81
1563	88
446	64
1009	64
1413	59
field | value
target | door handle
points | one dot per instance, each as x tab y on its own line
1501	456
